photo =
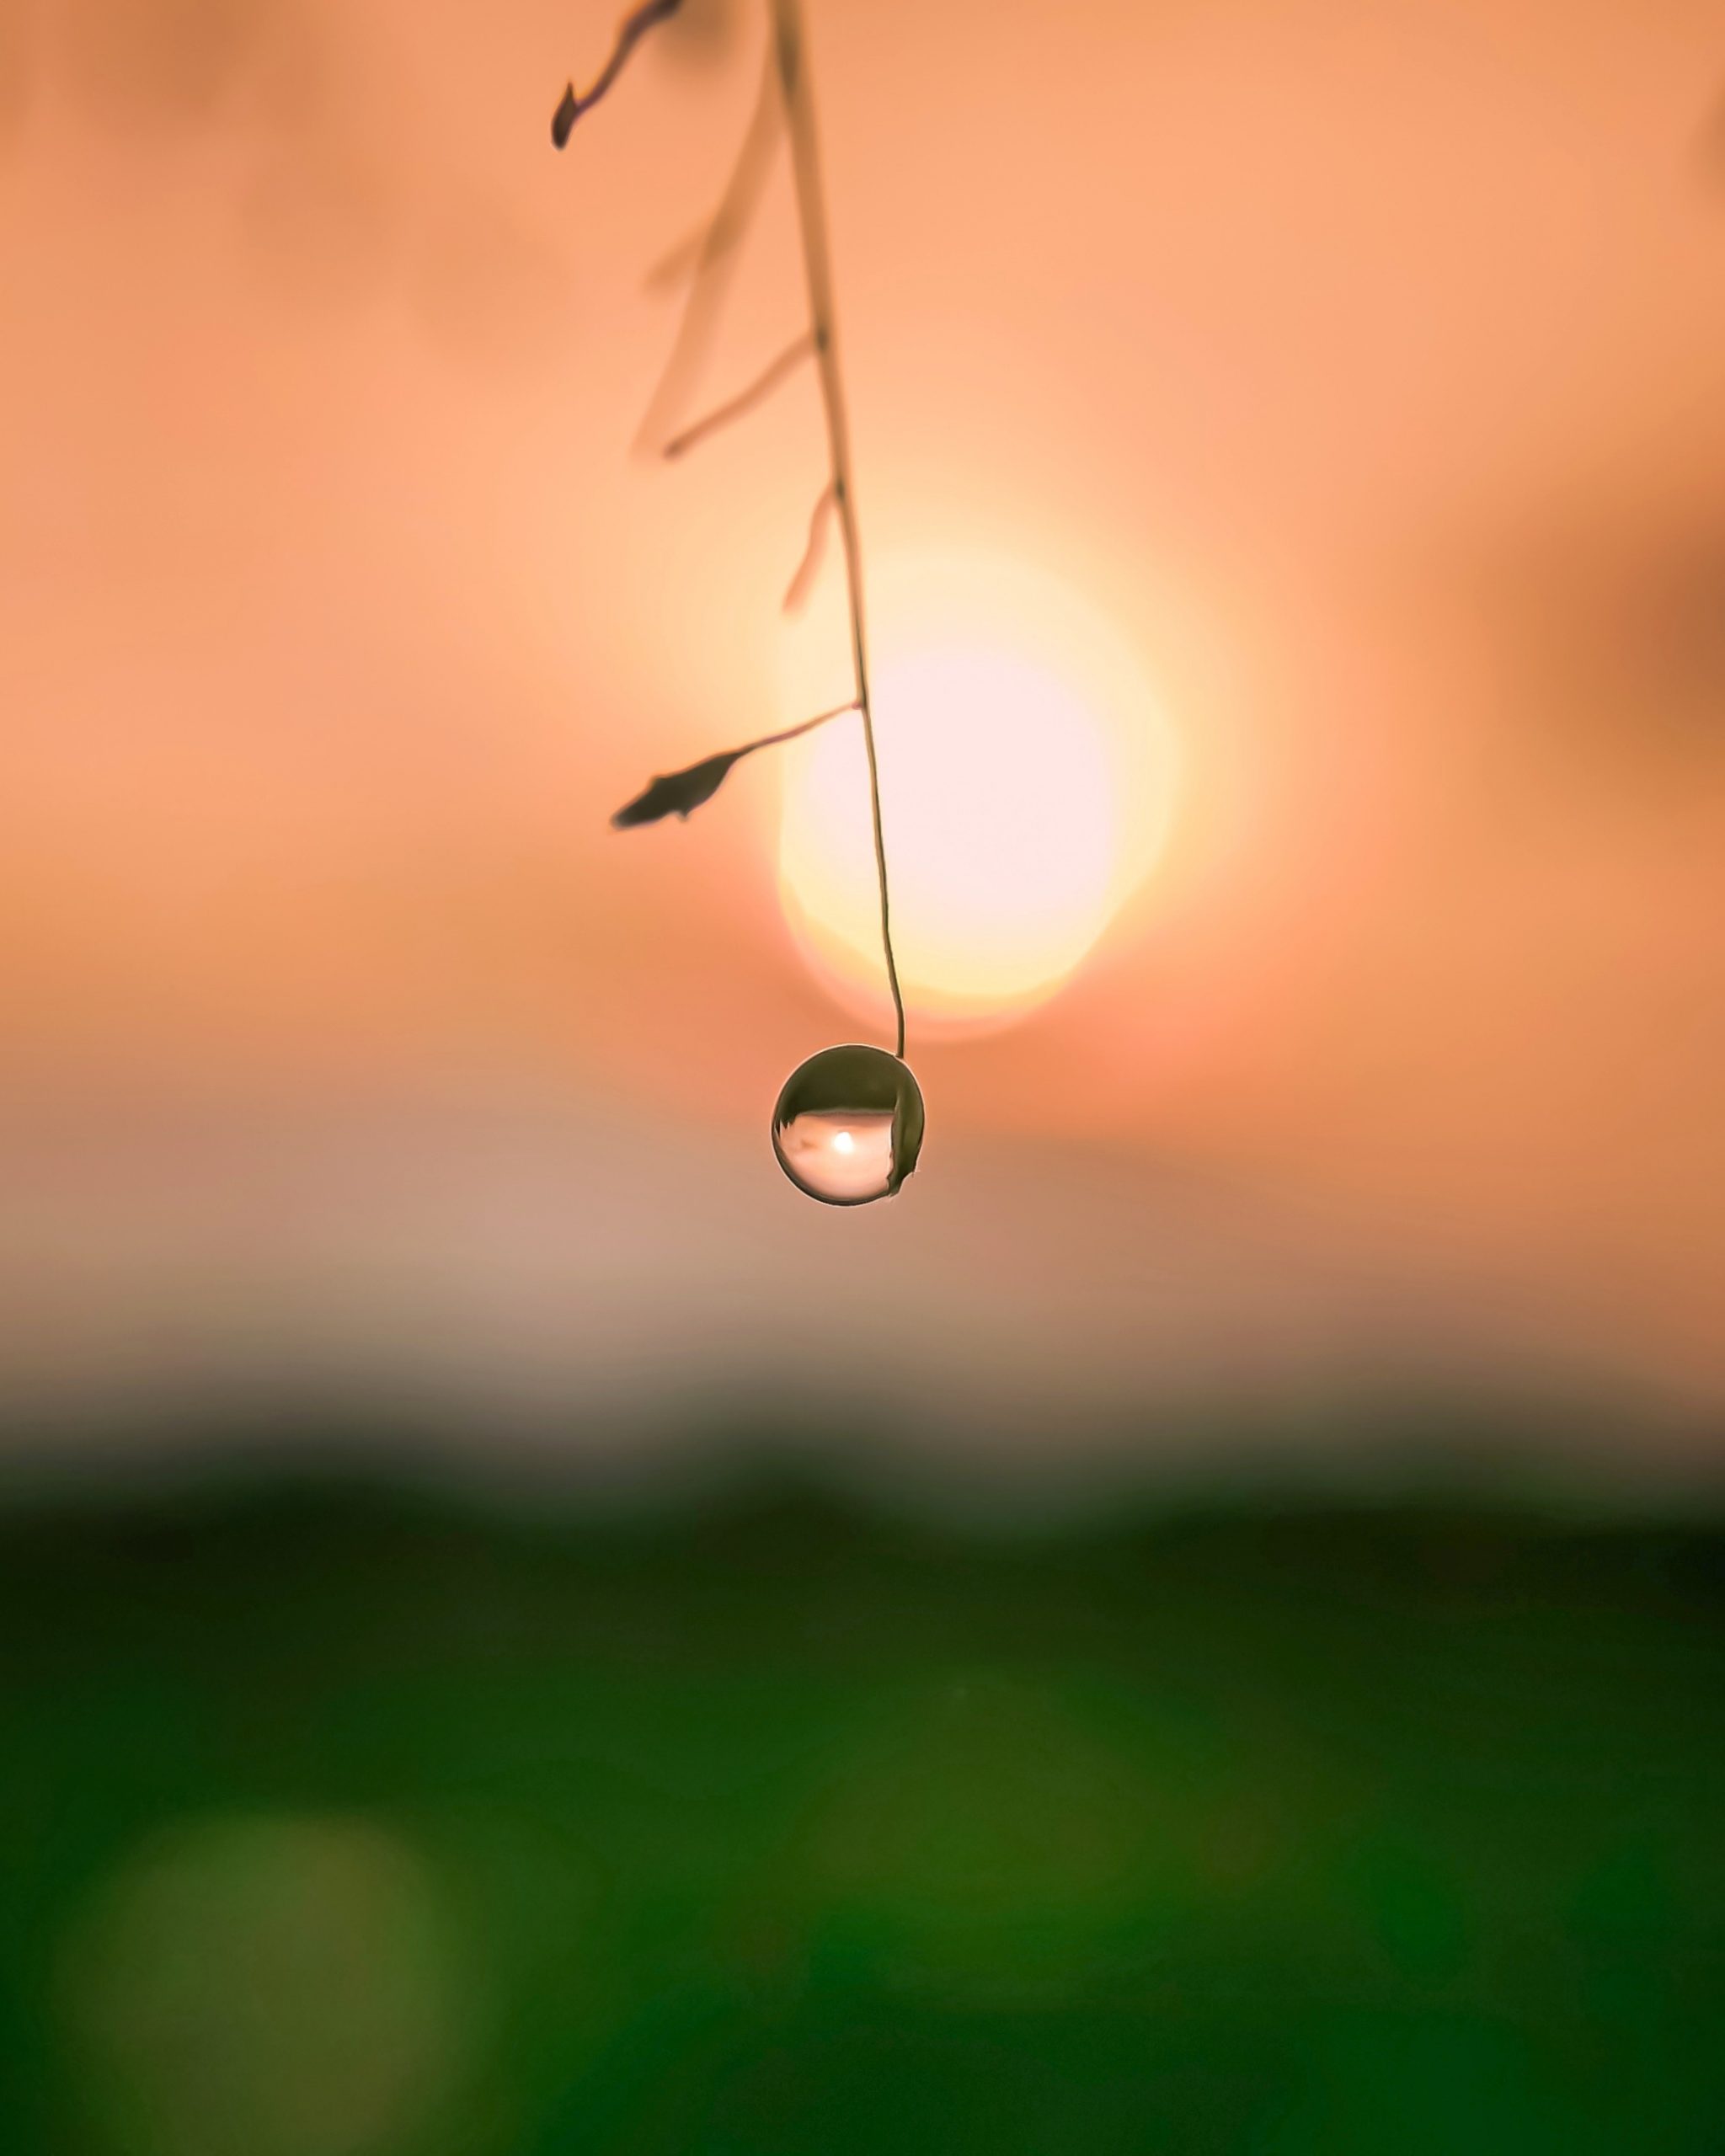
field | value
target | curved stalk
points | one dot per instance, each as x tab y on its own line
788	45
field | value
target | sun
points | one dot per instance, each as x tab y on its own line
1002	828
1025	775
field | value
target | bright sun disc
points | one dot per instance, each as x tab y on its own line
1018	811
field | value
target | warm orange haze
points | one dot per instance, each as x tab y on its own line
1291	460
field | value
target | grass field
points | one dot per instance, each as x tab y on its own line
341	1820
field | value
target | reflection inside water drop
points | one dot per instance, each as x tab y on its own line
848	1126
844	1157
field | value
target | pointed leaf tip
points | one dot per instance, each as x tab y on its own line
677	794
564	118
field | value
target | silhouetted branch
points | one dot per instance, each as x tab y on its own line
679	791
736	407
632	27
817	265
708	262
677	794
814	551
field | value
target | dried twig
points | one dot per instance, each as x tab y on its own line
735	407
679	791
710	262
817	264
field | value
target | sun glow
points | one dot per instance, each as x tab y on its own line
1025	775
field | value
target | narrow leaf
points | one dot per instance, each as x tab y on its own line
679	793
564	118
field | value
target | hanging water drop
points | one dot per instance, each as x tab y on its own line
848	1126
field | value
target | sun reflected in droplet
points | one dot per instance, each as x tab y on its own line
834	1163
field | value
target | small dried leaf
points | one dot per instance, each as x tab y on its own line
630	31
678	793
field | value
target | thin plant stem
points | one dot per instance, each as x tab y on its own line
790	733
737	407
789	46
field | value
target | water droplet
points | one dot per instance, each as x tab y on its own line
848	1125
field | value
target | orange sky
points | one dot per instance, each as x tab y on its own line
1361	365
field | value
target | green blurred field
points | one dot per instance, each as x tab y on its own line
334	1822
